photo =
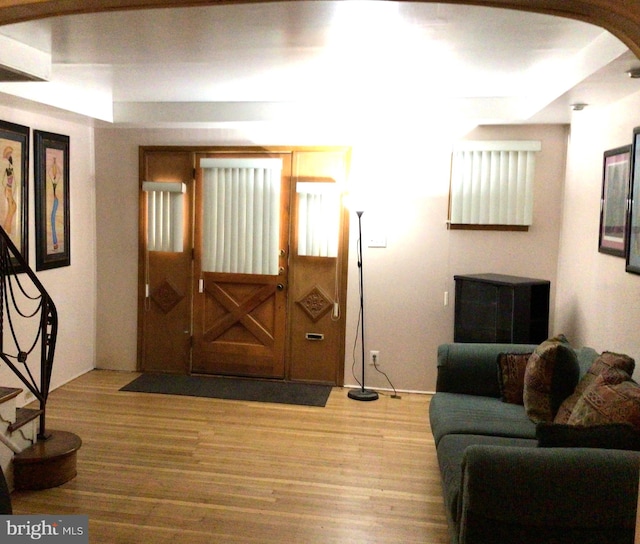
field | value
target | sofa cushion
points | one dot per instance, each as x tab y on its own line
551	375
604	361
453	413
511	368
613	397
450	454
615	436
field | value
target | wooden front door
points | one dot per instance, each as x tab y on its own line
240	264
202	308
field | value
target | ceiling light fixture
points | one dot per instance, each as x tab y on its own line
578	106
634	73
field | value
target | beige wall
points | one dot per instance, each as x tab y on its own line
595	301
72	288
598	303
405	316
407	190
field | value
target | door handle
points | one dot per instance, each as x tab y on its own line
280	286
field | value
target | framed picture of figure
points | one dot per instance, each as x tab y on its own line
613	201
51	172
14	203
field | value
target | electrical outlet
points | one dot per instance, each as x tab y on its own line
374	357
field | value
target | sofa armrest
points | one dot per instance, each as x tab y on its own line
472	368
512	492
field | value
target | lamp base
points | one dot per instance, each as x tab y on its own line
362	394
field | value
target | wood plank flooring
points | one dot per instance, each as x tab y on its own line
167	469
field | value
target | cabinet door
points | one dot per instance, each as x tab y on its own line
476	312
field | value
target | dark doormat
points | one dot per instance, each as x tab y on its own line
231	389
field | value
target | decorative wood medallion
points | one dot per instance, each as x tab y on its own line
315	303
166	296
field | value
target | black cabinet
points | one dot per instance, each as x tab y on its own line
498	308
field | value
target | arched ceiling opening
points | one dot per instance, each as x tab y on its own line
622	19
256	70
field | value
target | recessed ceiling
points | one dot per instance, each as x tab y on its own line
320	61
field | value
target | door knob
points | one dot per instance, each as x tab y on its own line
280	286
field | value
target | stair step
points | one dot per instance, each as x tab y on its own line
23	416
8	393
48	463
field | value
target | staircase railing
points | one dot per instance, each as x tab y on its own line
28	320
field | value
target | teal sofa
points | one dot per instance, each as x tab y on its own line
499	486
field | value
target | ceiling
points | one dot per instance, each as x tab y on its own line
316	61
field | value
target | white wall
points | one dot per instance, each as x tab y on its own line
406	185
72	288
598	303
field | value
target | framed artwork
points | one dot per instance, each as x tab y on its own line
633	219
51	171
14	204
613	201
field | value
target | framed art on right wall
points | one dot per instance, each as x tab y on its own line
632	250
613	201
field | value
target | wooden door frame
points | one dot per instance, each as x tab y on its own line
226	149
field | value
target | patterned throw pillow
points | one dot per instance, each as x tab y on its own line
511	368
606	360
613	397
551	375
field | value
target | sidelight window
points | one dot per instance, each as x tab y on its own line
318	219
165	215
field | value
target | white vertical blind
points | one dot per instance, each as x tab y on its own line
241	215
318	219
492	183
165	215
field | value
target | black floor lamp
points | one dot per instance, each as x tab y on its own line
362	393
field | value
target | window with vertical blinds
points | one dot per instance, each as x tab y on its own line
165	211
492	184
241	215
318	219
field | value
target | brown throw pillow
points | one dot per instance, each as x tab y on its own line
606	360
511	368
613	397
550	377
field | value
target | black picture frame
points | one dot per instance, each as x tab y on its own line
632	250
51	172
14	206
613	201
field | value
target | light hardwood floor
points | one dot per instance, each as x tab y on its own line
160	469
